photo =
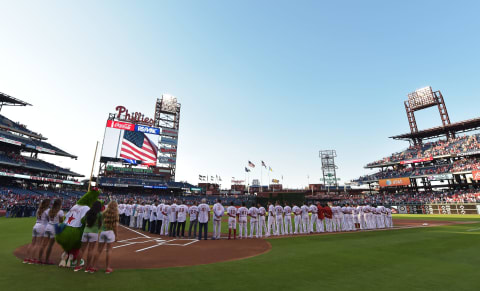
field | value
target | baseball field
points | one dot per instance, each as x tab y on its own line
422	257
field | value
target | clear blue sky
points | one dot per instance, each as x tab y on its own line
258	80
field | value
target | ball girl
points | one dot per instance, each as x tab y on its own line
108	235
38	232
93	221
55	216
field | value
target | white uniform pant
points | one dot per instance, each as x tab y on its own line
361	221
328	224
313	222
164	229
305	224
217	228
279	221
337	223
297	220
270	225
348	222
132	221
320	225
242	225
140	220
262	226
253	227
287	224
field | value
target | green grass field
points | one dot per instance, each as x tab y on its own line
437	258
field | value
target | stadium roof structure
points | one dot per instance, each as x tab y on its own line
7	100
434	132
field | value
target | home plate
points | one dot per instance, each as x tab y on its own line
425	224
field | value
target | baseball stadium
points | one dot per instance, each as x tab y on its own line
139	220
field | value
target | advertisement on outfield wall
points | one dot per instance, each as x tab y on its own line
439	209
414	161
394	182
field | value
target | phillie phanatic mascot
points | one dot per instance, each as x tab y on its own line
69	234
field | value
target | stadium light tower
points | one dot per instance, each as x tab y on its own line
329	169
167	118
421	99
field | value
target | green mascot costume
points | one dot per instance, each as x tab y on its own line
69	234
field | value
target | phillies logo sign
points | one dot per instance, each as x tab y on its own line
135	117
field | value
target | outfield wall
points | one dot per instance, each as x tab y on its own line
460	208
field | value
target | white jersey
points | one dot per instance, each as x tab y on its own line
278	211
121	209
262	211
253	212
242	213
193	212
305	211
271	211
296	210
218	211
288	211
173	213
232	212
159	211
166	212
57	217
153	212
182	213
313	209
203	210
75	215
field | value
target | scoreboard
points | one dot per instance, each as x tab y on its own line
439	209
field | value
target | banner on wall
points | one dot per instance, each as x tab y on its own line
394	182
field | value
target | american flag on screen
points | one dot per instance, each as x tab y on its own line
137	146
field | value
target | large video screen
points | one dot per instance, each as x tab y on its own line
131	142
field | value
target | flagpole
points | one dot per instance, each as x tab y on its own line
93	165
261	177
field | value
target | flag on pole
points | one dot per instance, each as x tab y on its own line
270	169
247	169
219	178
250	164
263	164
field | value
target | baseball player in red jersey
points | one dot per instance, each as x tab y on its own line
321	218
328	218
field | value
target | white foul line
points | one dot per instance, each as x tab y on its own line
136	231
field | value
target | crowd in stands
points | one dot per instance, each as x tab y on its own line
470	164
463	196
456	145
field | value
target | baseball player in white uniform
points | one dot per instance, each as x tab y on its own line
389	218
279	219
253	213
182	211
297	218
287	220
313	218
242	221
218	212
193	214
271	220
305	211
173	219
262	226
166	219
140	209
232	221
159	224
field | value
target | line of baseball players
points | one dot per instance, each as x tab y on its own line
170	219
